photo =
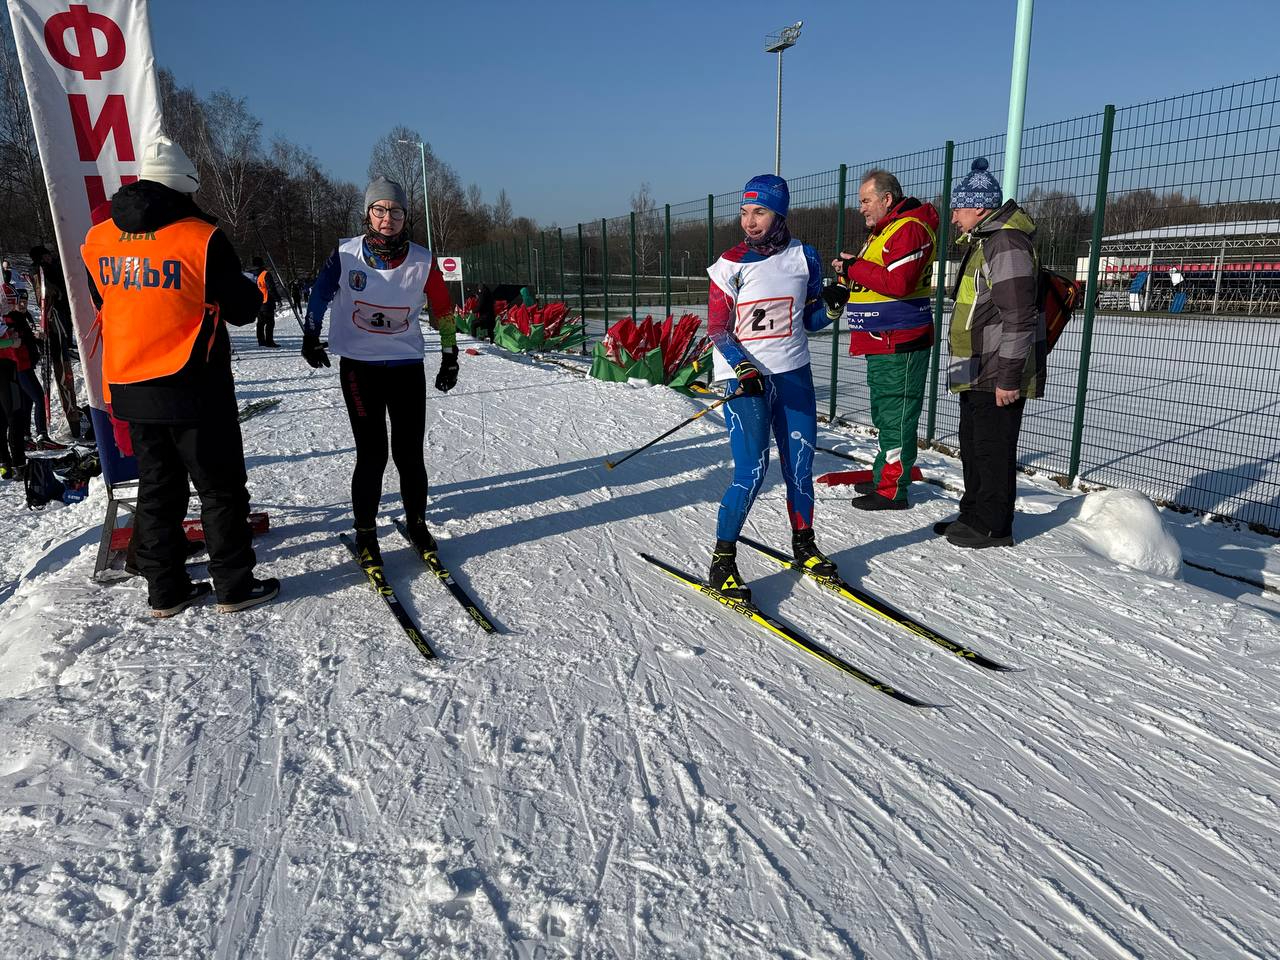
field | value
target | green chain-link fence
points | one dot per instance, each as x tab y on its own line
1166	381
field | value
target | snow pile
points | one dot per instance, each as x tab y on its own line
1124	526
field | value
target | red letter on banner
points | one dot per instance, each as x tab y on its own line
97	192
83	24
90	136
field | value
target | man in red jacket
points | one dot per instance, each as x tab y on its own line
889	296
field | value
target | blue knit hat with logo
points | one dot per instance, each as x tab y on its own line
769	192
979	190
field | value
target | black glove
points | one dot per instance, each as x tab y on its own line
447	378
313	351
750	383
835	295
843	263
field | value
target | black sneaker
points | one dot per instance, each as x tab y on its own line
367	547
421	537
942	526
260	591
864	487
873	501
962	535
724	577
198	591
805	551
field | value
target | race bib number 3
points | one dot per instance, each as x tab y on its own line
375	319
764	319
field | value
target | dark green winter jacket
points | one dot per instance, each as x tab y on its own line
997	331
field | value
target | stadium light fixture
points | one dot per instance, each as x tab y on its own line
426	204
777	43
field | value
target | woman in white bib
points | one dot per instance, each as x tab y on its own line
765	299
374	287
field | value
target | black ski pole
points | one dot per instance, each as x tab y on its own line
610	464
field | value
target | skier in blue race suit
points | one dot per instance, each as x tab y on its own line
765	299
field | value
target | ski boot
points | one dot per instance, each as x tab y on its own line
421	537
806	553
367	545
724	577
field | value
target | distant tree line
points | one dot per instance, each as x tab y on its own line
272	197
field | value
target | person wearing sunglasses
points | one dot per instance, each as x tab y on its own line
374	287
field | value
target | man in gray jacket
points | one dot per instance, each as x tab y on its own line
998	347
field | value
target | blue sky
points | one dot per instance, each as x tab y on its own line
569	106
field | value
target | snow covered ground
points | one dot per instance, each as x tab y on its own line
627	770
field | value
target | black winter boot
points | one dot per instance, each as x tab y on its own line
806	553
367	545
724	577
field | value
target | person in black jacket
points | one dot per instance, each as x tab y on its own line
179	401
482	327
51	288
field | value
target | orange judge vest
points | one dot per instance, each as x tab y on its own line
152	287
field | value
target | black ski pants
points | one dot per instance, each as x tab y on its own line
13	412
209	456
267	325
376	393
989	453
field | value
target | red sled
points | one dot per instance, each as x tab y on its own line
194	529
843	478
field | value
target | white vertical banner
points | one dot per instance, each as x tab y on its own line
91	85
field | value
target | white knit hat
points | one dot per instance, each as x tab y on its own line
165	162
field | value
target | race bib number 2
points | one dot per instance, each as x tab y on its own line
375	319
764	319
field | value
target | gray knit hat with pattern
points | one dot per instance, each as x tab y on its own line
977	191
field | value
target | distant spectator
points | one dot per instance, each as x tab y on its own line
483	325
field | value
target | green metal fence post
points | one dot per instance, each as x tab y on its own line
604	268
582	284
633	266
666	257
542	265
528	261
711	229
939	291
560	238
1091	287
835	327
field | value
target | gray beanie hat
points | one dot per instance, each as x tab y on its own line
979	190
383	189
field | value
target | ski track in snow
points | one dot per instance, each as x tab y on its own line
626	770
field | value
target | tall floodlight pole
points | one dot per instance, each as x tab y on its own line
1017	98
426	203
776	43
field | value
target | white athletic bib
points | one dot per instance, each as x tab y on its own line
374	314
768	301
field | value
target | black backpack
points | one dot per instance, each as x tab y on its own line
1057	297
64	478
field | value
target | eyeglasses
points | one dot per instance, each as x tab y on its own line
381	212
